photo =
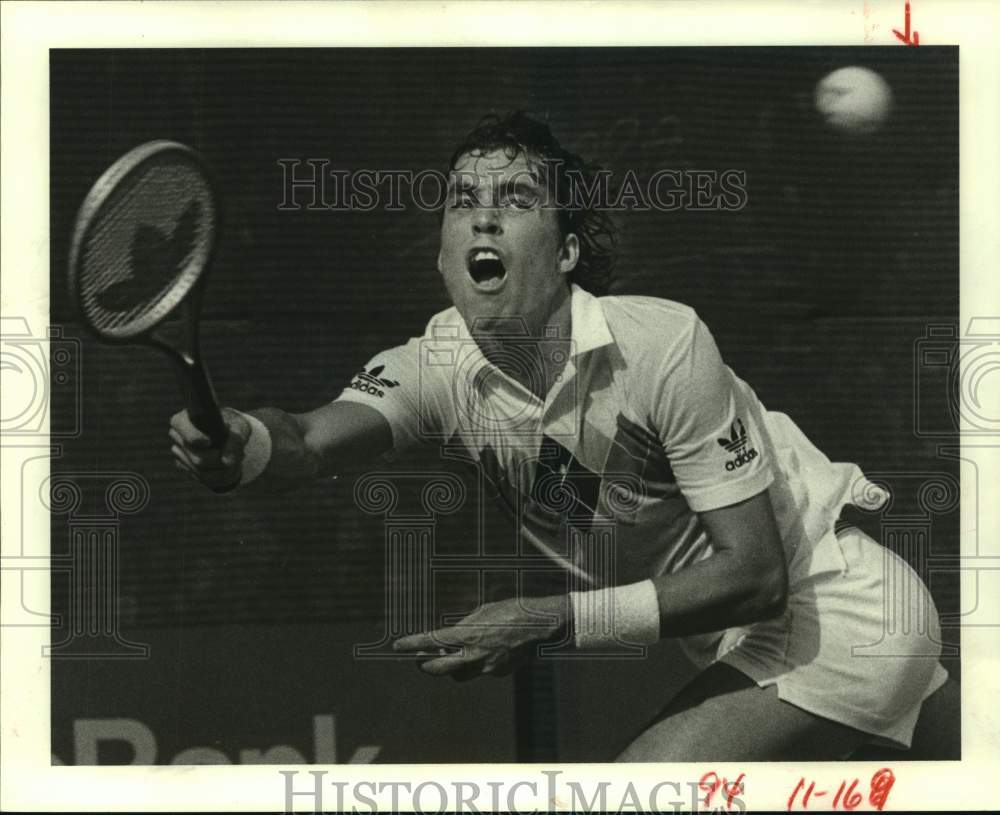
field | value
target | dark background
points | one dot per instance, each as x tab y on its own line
816	291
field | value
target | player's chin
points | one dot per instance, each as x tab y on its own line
483	313
483	293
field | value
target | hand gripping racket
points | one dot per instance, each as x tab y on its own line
140	253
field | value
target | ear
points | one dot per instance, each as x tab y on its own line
569	255
439	261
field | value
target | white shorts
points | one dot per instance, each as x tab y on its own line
858	643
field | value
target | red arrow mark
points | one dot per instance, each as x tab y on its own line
906	36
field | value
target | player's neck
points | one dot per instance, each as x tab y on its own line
536	358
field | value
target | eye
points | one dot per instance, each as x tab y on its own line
463	200
522	199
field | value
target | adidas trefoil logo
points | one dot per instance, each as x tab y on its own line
739	444
371	381
737	437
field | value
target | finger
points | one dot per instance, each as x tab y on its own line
442	666
185	456
231	454
177	438
208	478
192	436
428	641
236	422
187	471
181	455
423	657
413	642
207	462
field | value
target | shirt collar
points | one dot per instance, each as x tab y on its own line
589	328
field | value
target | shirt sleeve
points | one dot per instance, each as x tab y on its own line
709	423
411	394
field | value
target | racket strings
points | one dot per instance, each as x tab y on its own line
146	247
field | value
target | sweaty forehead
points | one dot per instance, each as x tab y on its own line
497	164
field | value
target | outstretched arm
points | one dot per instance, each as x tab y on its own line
292	448
744	580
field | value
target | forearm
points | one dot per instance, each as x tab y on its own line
300	447
743	581
270	450
290	461
717	593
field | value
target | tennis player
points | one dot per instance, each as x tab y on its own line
594	412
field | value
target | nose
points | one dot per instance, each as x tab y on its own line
486	221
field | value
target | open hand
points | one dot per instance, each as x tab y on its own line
493	639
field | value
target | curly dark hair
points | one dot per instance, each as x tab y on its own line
566	175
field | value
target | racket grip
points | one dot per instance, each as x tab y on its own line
209	422
202	405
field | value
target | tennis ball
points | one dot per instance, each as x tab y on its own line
854	100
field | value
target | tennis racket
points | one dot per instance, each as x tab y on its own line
140	254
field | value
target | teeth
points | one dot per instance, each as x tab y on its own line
485	254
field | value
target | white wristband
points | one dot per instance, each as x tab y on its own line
605	618
257	450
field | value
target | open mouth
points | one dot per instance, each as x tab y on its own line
486	269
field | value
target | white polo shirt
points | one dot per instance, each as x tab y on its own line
645	428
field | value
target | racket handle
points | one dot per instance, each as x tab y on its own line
202	406
209	422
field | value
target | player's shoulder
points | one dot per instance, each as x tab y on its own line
659	341
643	307
440	332
639	322
446	326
